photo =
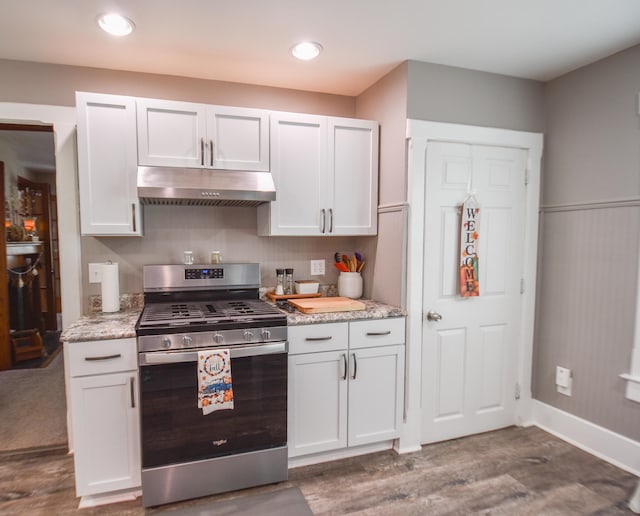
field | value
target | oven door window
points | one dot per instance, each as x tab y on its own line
174	429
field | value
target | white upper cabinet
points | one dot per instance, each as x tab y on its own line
107	165
326	175
238	138
299	170
353	176
184	134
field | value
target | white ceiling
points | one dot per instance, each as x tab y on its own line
248	40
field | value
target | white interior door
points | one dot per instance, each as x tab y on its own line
470	355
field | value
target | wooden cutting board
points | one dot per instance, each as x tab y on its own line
327	304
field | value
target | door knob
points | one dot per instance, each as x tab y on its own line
433	316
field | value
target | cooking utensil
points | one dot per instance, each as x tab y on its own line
341	267
337	258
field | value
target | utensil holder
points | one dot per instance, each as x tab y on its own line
350	285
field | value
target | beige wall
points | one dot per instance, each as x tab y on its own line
170	230
41	83
386	102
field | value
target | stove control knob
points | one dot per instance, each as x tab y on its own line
186	341
248	336
265	334
166	342
218	338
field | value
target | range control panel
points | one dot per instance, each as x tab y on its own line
200	274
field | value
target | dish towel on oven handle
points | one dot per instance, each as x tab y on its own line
215	388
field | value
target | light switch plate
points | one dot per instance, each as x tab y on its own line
95	273
317	267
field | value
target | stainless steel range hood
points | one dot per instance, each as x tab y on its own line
204	187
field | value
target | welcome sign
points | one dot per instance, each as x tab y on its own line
469	279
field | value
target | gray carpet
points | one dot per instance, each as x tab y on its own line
283	502
33	407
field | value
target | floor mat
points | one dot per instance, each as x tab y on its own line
283	502
33	407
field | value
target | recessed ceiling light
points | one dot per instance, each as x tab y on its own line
306	50
115	24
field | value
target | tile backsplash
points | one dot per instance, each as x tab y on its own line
170	230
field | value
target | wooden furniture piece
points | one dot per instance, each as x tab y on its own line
26	345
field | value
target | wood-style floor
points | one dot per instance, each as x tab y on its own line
515	471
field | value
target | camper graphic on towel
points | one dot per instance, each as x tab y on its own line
215	386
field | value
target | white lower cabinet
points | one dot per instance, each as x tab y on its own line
342	395
104	415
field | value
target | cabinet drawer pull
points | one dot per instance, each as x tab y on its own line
133	216
211	147
330	220
355	366
202	152
104	357
344	361
378	333
132	391
324	222
317	339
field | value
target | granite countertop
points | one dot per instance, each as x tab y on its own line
373	310
121	325
102	326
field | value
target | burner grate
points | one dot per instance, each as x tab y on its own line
171	314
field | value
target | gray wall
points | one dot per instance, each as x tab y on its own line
441	93
588	255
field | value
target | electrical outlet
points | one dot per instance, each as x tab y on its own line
564	380
95	273
317	267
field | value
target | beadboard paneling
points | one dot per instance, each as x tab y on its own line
586	311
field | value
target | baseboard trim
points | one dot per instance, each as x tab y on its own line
342	453
599	441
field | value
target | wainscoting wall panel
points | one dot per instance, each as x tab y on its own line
586	311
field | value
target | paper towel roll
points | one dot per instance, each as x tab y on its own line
110	287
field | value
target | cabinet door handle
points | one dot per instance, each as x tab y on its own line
330	220
324	222
103	357
133	215
378	333
355	366
211	148
202	152
344	362
132	390
317	339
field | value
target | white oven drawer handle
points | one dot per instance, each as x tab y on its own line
154	358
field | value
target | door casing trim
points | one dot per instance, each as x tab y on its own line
419	133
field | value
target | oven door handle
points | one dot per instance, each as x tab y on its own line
175	357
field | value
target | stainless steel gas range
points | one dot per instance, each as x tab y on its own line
193	311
